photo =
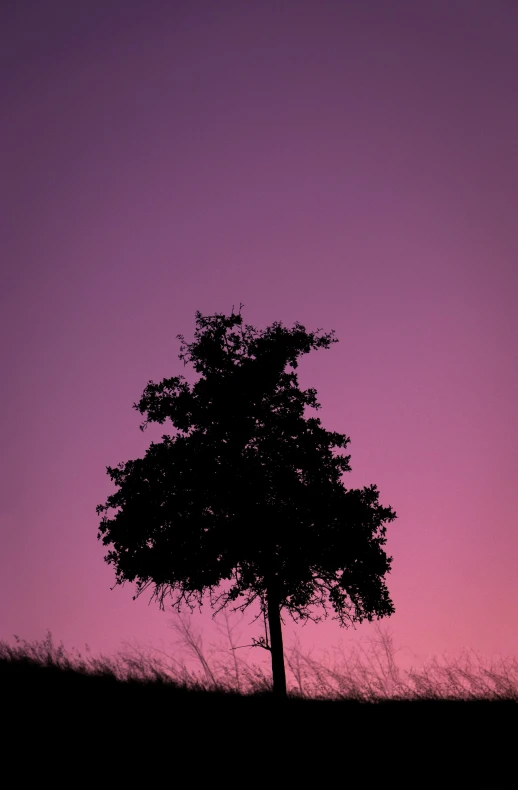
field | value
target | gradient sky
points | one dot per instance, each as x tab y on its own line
349	165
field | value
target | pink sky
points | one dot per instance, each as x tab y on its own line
349	165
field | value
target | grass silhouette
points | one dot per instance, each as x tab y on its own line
358	711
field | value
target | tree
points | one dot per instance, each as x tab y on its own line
245	501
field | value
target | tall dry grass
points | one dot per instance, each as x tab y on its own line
366	673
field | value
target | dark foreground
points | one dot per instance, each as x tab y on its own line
66	728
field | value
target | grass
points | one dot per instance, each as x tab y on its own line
357	710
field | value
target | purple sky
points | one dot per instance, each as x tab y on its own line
349	165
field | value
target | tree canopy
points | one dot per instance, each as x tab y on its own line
248	490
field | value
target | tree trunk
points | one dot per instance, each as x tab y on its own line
276	646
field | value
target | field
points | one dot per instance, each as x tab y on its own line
362	722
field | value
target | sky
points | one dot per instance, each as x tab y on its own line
348	165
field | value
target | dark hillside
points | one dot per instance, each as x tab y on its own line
120	727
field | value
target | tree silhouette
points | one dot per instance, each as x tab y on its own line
245	501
